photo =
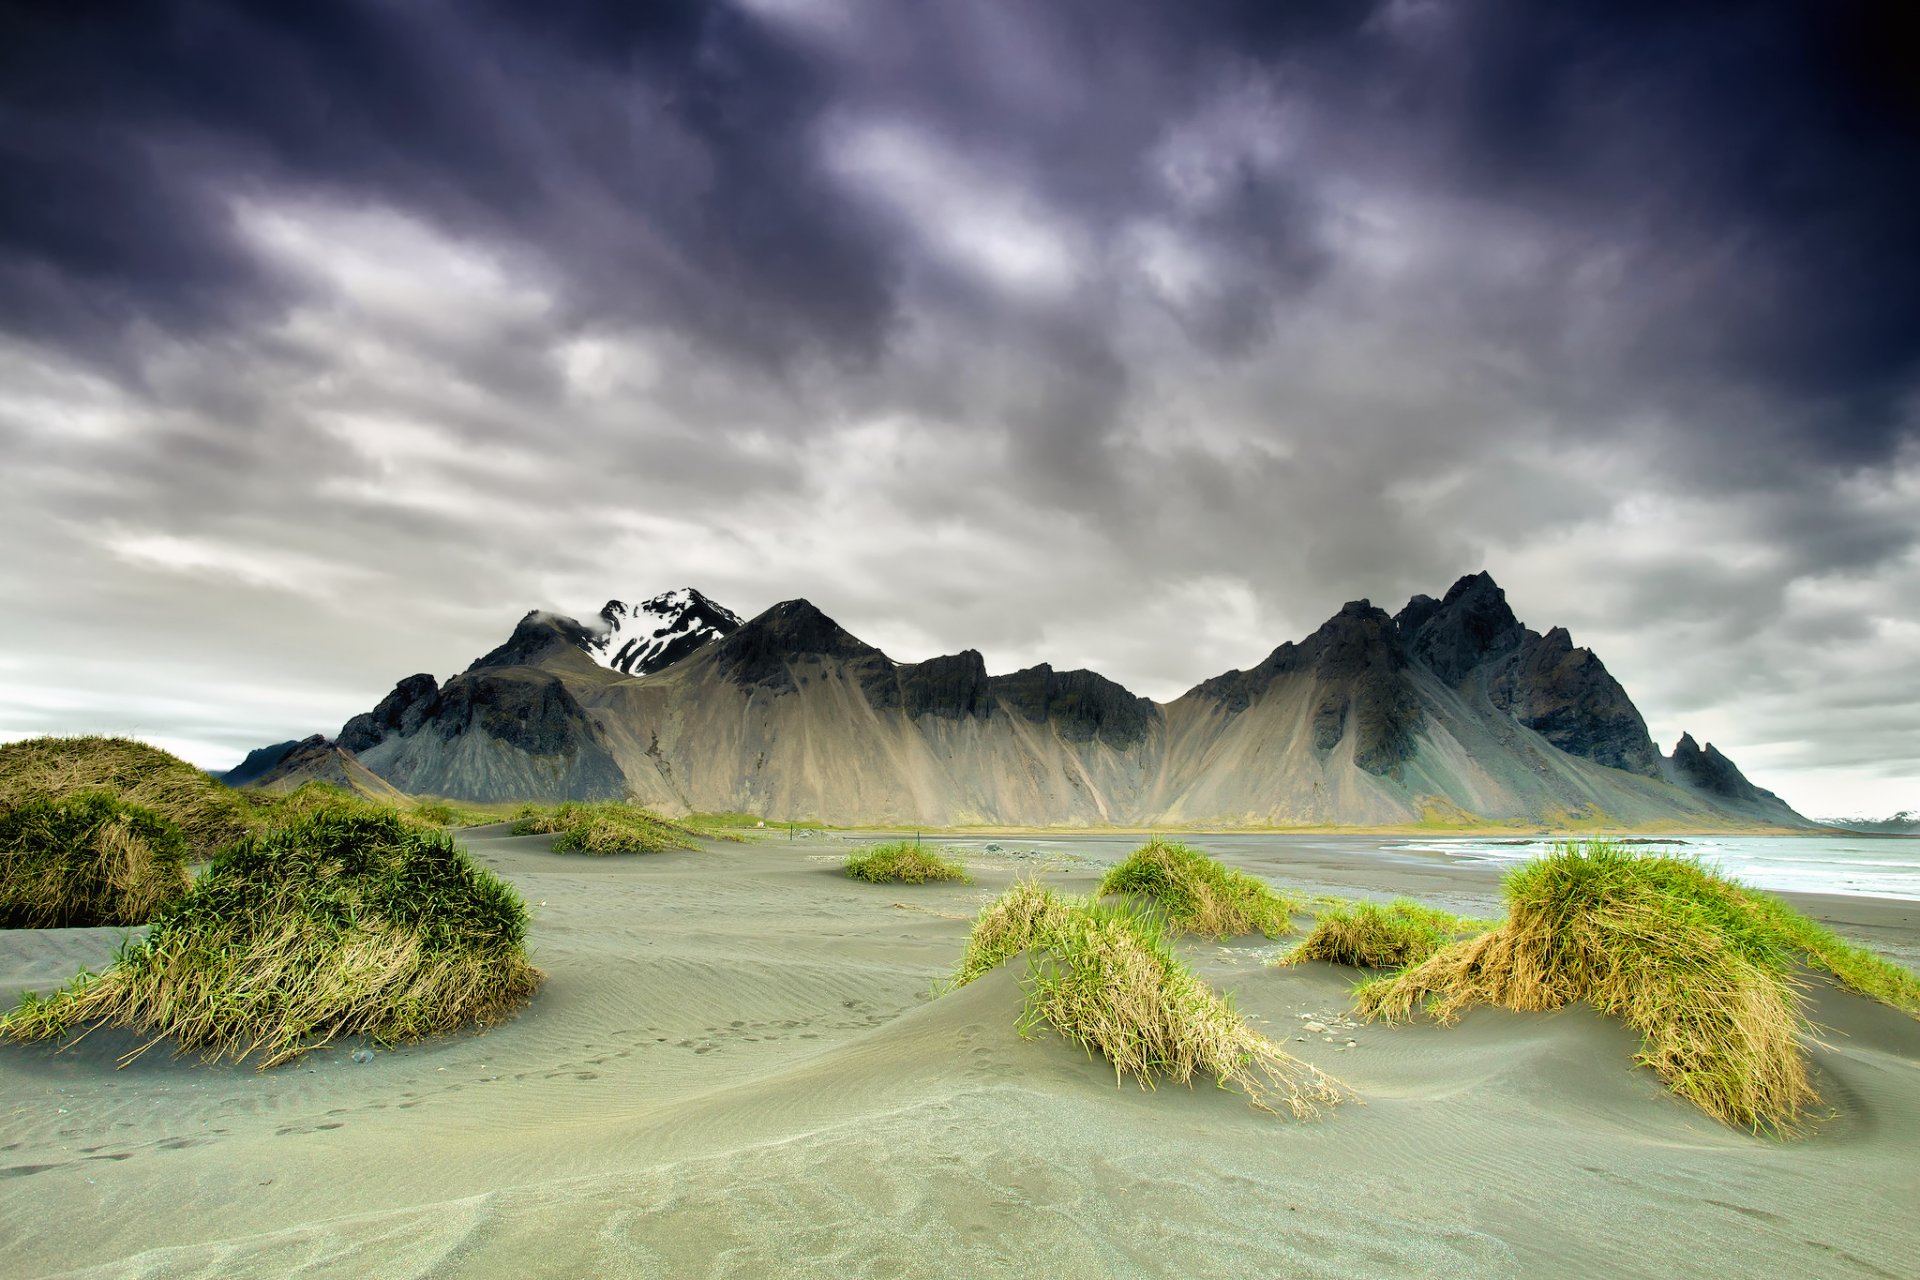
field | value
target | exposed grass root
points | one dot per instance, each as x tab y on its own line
1376	937
605	828
1106	978
903	862
1200	895
1700	966
347	922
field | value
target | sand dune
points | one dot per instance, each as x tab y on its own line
735	1069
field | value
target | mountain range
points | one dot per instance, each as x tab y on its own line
1449	712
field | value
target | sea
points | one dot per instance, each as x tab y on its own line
1871	866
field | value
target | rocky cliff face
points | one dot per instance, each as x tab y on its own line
1452	706
1706	771
1567	696
1357	667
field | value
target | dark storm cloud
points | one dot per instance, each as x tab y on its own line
653	149
663	155
1238	309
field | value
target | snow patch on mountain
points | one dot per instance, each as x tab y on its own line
653	635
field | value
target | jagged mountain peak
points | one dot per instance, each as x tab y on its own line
1471	625
651	636
758	653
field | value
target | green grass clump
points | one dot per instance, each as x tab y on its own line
903	863
605	828
210	816
1199	894
1364	933
1701	966
87	858
1106	978
1852	966
346	922
445	813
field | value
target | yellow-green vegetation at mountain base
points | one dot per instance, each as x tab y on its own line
1702	967
605	828
1380	937
1199	894
903	862
1106	978
348	921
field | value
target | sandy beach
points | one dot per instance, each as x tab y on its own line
735	1068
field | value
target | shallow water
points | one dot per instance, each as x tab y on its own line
1872	866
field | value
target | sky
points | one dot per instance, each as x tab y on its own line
1107	333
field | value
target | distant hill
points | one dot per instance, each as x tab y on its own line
287	766
1450	711
1904	823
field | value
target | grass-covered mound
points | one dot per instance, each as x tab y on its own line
1401	933
1199	894
1703	968
350	921
605	828
1106	978
903	862
209	815
87	859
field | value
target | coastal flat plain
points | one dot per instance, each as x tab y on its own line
736	1067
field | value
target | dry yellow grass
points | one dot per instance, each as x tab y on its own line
1656	941
350	921
606	828
211	816
1377	937
87	859
1107	979
1199	894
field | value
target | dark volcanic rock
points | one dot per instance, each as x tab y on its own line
1709	771
258	762
758	653
1568	697
1471	626
953	687
411	704
1082	705
1413	616
537	635
1360	671
533	712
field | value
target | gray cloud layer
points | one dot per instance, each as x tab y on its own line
332	337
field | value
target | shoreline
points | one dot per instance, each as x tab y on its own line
734	1067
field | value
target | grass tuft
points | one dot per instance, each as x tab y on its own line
345	922
87	859
1106	978
210	816
445	813
1367	934
1701	966
1199	894
903	863
606	828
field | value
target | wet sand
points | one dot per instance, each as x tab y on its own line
735	1069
